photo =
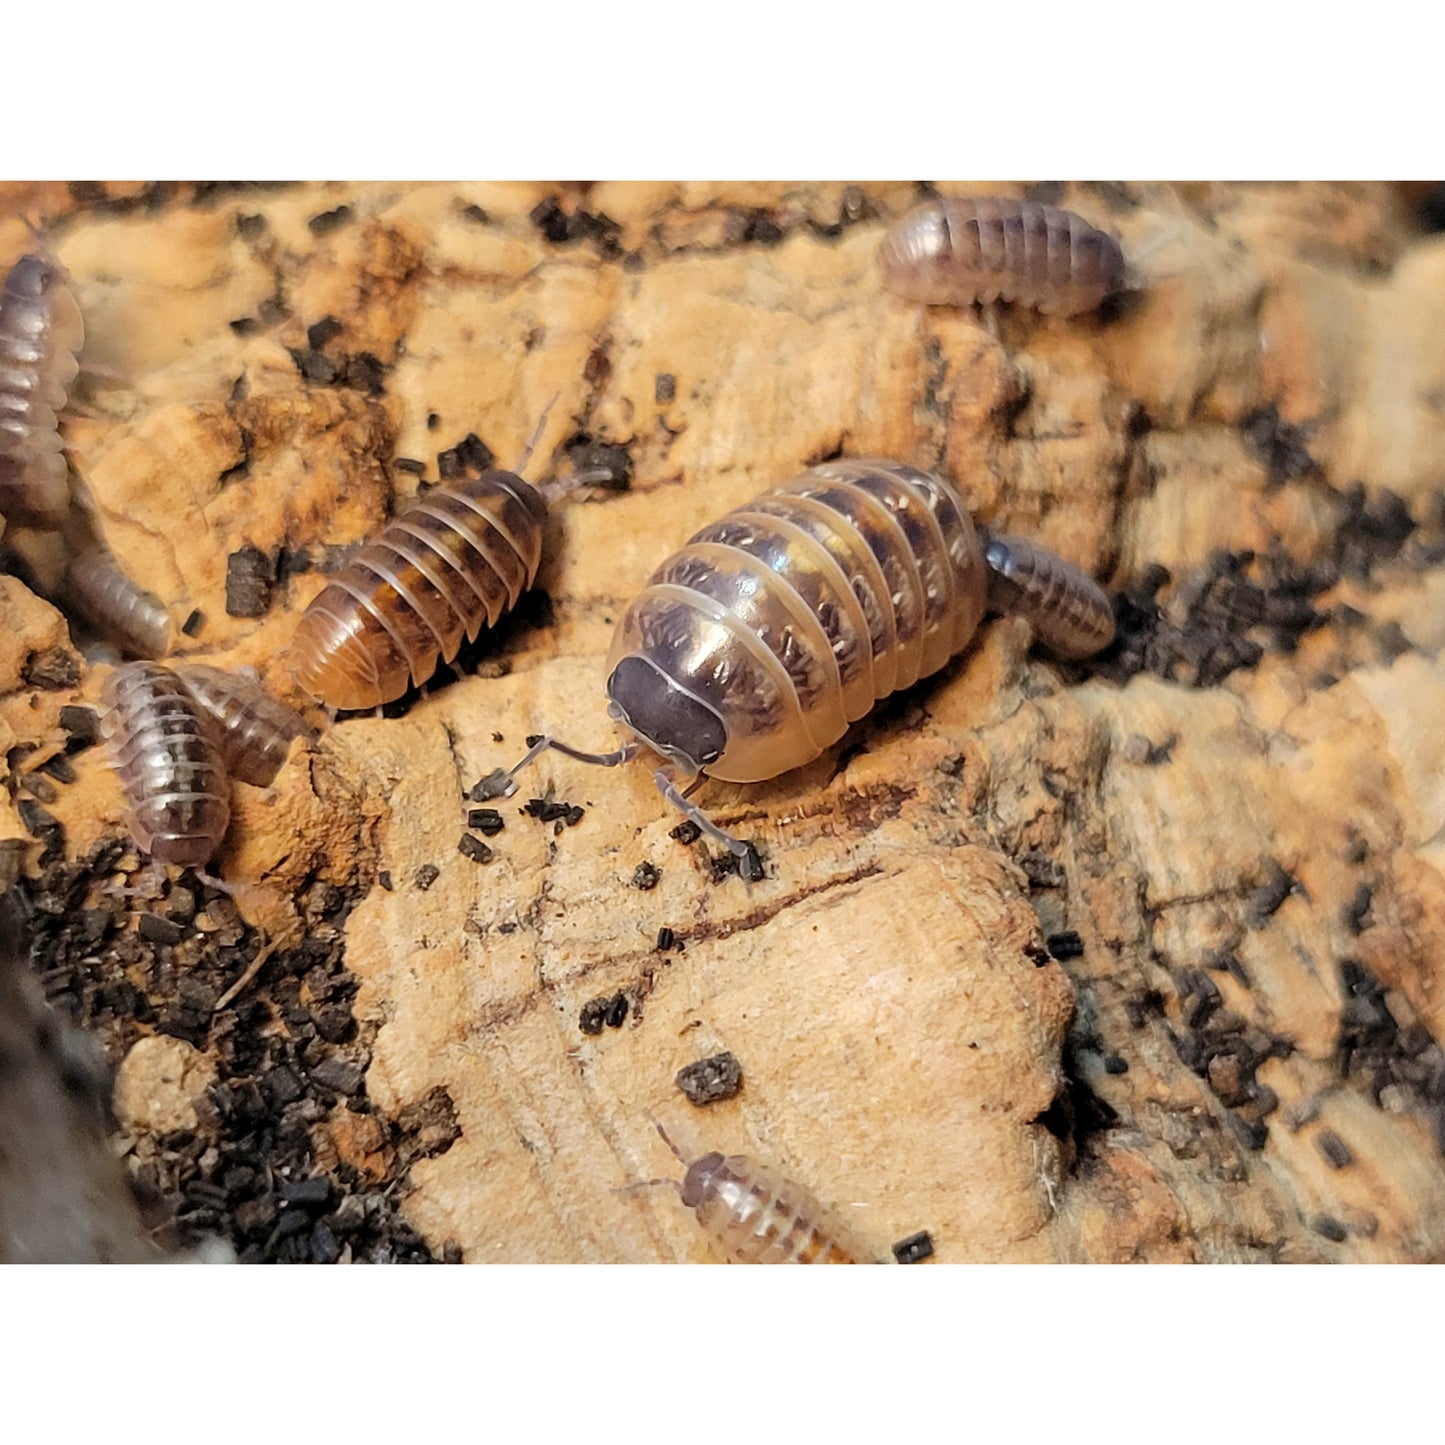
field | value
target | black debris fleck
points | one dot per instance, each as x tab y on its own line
384	879
645	876
433	421
320	332
1336	1152
477	214
753	227
451	1250
750	865
1113	1064
915	1248
155	929
594	1015
82	725
711	1079
1329	1227
487	821
53	670
617	1011
474	849
1042	871
686	832
329	220
59	768
549	810
494	785
250	575
338	1074
602	464
1280	446
44	827
560	228
1065	945
666	940
409	464
193	623
432	1124
315	366
664	388
470	457
426	875
39	787
249	227
1264	901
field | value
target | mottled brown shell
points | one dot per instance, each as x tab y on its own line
789	619
959	250
1070	613
99	591
256	730
754	1214
456	559
41	333
168	757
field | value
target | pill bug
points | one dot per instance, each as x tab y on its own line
1070	613
41	333
755	1214
100	591
167	753
256	729
458	557
955	251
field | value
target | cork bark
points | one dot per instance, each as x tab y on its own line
1136	960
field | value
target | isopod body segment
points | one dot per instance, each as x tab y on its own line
167	754
41	333
961	250
752	649
456	558
98	588
255	729
1070	613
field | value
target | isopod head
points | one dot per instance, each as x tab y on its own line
700	1180
34	278
668	718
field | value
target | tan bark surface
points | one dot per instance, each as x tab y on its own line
1199	1083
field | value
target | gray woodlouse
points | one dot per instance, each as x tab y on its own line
754	1214
955	251
167	754
1070	613
119	608
41	332
458	557
256	729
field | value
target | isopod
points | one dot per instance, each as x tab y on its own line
1071	614
41	333
256	729
755	1214
167	754
751	650
955	251
105	596
458	557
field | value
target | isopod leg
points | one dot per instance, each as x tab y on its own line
502	784
749	864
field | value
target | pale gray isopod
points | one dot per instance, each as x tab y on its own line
1070	613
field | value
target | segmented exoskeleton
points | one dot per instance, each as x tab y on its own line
256	730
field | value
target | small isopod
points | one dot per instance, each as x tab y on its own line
754	1214
458	557
41	333
956	251
104	595
167	753
256	729
1071	614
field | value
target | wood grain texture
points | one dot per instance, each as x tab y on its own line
1173	1091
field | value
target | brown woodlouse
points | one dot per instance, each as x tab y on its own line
1071	614
754	1214
256	729
98	588
41	333
167	753
752	649
955	251
458	557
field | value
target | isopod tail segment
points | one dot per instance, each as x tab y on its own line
503	783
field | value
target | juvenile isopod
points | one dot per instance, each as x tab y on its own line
167	753
458	557
256	729
100	591
41	333
755	1214
958	250
1070	613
